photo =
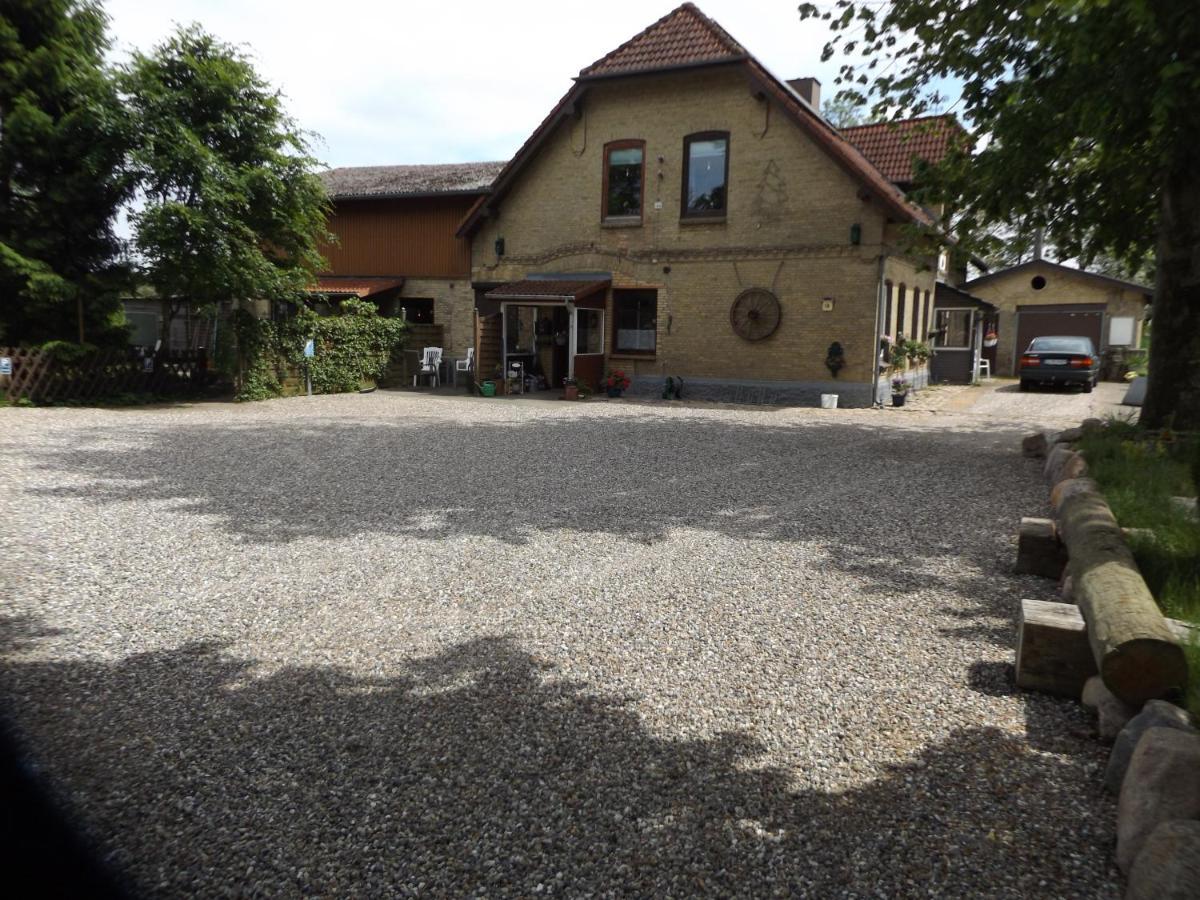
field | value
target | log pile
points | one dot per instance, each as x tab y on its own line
1134	650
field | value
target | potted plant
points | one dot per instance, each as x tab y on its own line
991	338
616	382
835	358
900	388
571	388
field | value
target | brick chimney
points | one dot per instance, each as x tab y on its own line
809	89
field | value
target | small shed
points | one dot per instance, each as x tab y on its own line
959	321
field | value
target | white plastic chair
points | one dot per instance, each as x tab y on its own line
985	369
431	364
464	365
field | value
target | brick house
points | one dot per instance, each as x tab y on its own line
684	212
397	245
1044	298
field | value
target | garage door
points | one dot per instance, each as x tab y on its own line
1071	320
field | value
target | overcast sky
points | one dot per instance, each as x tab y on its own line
445	80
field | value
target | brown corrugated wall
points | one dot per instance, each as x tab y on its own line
409	237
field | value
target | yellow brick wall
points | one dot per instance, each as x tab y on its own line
1008	291
453	309
788	227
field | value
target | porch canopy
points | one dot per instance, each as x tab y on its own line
588	293
342	286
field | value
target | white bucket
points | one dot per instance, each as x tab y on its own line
829	401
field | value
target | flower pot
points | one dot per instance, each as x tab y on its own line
571	392
992	342
898	399
615	392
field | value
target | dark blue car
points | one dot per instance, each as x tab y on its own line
1059	360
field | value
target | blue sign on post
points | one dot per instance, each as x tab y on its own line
309	352
5	365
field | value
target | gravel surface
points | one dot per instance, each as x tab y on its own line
396	644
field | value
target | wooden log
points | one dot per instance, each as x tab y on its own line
1039	551
1053	653
1135	651
1065	490
1064	463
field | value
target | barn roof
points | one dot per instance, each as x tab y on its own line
354	182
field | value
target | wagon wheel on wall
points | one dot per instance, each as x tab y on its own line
755	314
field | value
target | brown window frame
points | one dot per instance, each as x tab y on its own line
889	290
616	349
901	311
688	140
627	144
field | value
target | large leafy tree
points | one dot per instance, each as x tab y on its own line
63	143
1085	123
231	208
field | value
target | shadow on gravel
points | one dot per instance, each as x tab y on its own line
481	771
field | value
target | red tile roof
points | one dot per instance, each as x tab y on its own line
683	37
358	287
893	146
538	289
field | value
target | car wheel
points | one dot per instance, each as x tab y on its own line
1025	385
1087	386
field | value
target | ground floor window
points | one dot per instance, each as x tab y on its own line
589	331
953	329
418	310
635	321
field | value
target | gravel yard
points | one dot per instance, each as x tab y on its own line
397	644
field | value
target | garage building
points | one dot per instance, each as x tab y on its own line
1040	298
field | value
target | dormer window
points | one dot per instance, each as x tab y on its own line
705	175
624	171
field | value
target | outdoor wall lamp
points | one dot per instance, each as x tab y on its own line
499	246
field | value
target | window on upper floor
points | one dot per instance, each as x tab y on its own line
624	171
705	175
635	321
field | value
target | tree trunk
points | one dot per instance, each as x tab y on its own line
1173	390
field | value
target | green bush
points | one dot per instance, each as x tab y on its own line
353	345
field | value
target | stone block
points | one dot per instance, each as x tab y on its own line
1112	713
1168	868
1161	784
1155	714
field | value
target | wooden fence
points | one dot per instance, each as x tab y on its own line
43	377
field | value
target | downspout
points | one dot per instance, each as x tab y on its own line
879	304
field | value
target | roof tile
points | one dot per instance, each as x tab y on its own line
893	146
683	37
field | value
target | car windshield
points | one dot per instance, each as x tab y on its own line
1062	344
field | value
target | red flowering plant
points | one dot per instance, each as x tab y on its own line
617	380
